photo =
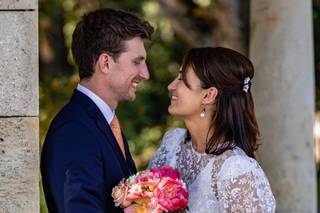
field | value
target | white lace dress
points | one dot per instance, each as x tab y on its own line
230	182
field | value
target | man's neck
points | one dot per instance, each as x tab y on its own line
100	92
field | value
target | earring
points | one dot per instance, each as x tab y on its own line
202	114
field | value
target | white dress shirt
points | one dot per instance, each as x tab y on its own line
107	112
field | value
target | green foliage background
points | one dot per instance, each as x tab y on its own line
146	119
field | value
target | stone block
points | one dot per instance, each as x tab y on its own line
19	64
19	165
18	4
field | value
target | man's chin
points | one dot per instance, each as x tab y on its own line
131	98
131	95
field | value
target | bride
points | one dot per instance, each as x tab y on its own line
215	153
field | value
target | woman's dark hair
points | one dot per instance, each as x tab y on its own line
233	121
105	30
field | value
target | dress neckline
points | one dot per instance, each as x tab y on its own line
195	151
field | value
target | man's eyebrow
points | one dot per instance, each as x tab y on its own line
140	58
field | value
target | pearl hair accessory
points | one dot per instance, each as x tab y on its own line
246	84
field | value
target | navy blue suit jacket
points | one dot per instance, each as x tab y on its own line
81	160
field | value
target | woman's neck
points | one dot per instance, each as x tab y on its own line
199	132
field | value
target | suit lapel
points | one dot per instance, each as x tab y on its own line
103	126
130	161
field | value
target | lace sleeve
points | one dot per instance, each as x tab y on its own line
243	187
165	154
159	158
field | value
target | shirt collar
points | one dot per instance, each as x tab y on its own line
107	112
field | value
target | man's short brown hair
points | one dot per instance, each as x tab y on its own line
105	30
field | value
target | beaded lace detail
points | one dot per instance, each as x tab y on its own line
230	182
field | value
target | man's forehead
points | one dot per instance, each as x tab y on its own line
133	55
136	53
135	46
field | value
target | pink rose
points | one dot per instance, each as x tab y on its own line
119	194
166	171
171	195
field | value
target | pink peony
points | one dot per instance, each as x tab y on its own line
120	193
146	176
166	171
148	182
135	191
171	195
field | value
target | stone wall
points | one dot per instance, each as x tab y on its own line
19	123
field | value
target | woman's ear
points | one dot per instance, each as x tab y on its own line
103	63
209	95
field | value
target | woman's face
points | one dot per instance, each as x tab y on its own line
185	101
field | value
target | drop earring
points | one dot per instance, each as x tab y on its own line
202	114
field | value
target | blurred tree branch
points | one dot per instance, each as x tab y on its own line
222	23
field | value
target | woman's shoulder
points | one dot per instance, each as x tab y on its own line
169	145
235	163
174	135
171	139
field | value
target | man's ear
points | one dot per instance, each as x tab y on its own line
103	63
209	95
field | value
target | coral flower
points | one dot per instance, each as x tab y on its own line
171	195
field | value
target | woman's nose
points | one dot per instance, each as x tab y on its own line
172	85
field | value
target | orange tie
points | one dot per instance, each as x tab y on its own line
116	129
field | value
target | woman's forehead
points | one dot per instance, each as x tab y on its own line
185	68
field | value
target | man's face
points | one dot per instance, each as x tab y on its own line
128	71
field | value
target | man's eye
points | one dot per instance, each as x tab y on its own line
136	62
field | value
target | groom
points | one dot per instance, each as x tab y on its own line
84	154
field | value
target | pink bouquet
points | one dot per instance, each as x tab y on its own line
155	190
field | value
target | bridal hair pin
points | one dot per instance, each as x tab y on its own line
246	84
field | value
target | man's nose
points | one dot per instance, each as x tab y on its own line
144	73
